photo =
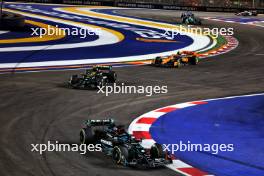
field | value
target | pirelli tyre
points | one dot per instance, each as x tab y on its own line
156	151
120	155
158	61
74	80
87	135
198	21
178	63
112	77
194	60
100	82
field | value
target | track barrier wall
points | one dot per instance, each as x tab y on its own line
166	4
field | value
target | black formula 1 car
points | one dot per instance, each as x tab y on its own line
177	60
190	19
93	78
247	13
124	148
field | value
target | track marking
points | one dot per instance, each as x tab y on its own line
44	38
138	125
252	23
110	36
68	64
232	42
199	39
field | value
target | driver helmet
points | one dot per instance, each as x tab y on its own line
119	130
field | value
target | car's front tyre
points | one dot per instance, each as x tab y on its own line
120	155
87	135
156	151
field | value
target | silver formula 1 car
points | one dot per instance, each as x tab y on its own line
247	13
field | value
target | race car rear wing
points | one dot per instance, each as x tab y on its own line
103	67
105	122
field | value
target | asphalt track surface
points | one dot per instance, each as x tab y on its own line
36	107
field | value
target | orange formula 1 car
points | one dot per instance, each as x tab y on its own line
177	60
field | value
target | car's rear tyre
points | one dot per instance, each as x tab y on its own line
178	63
112	77
74	82
158	61
115	77
93	86
87	135
102	82
74	79
156	151
194	60
120	155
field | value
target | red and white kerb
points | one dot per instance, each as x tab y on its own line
140	129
